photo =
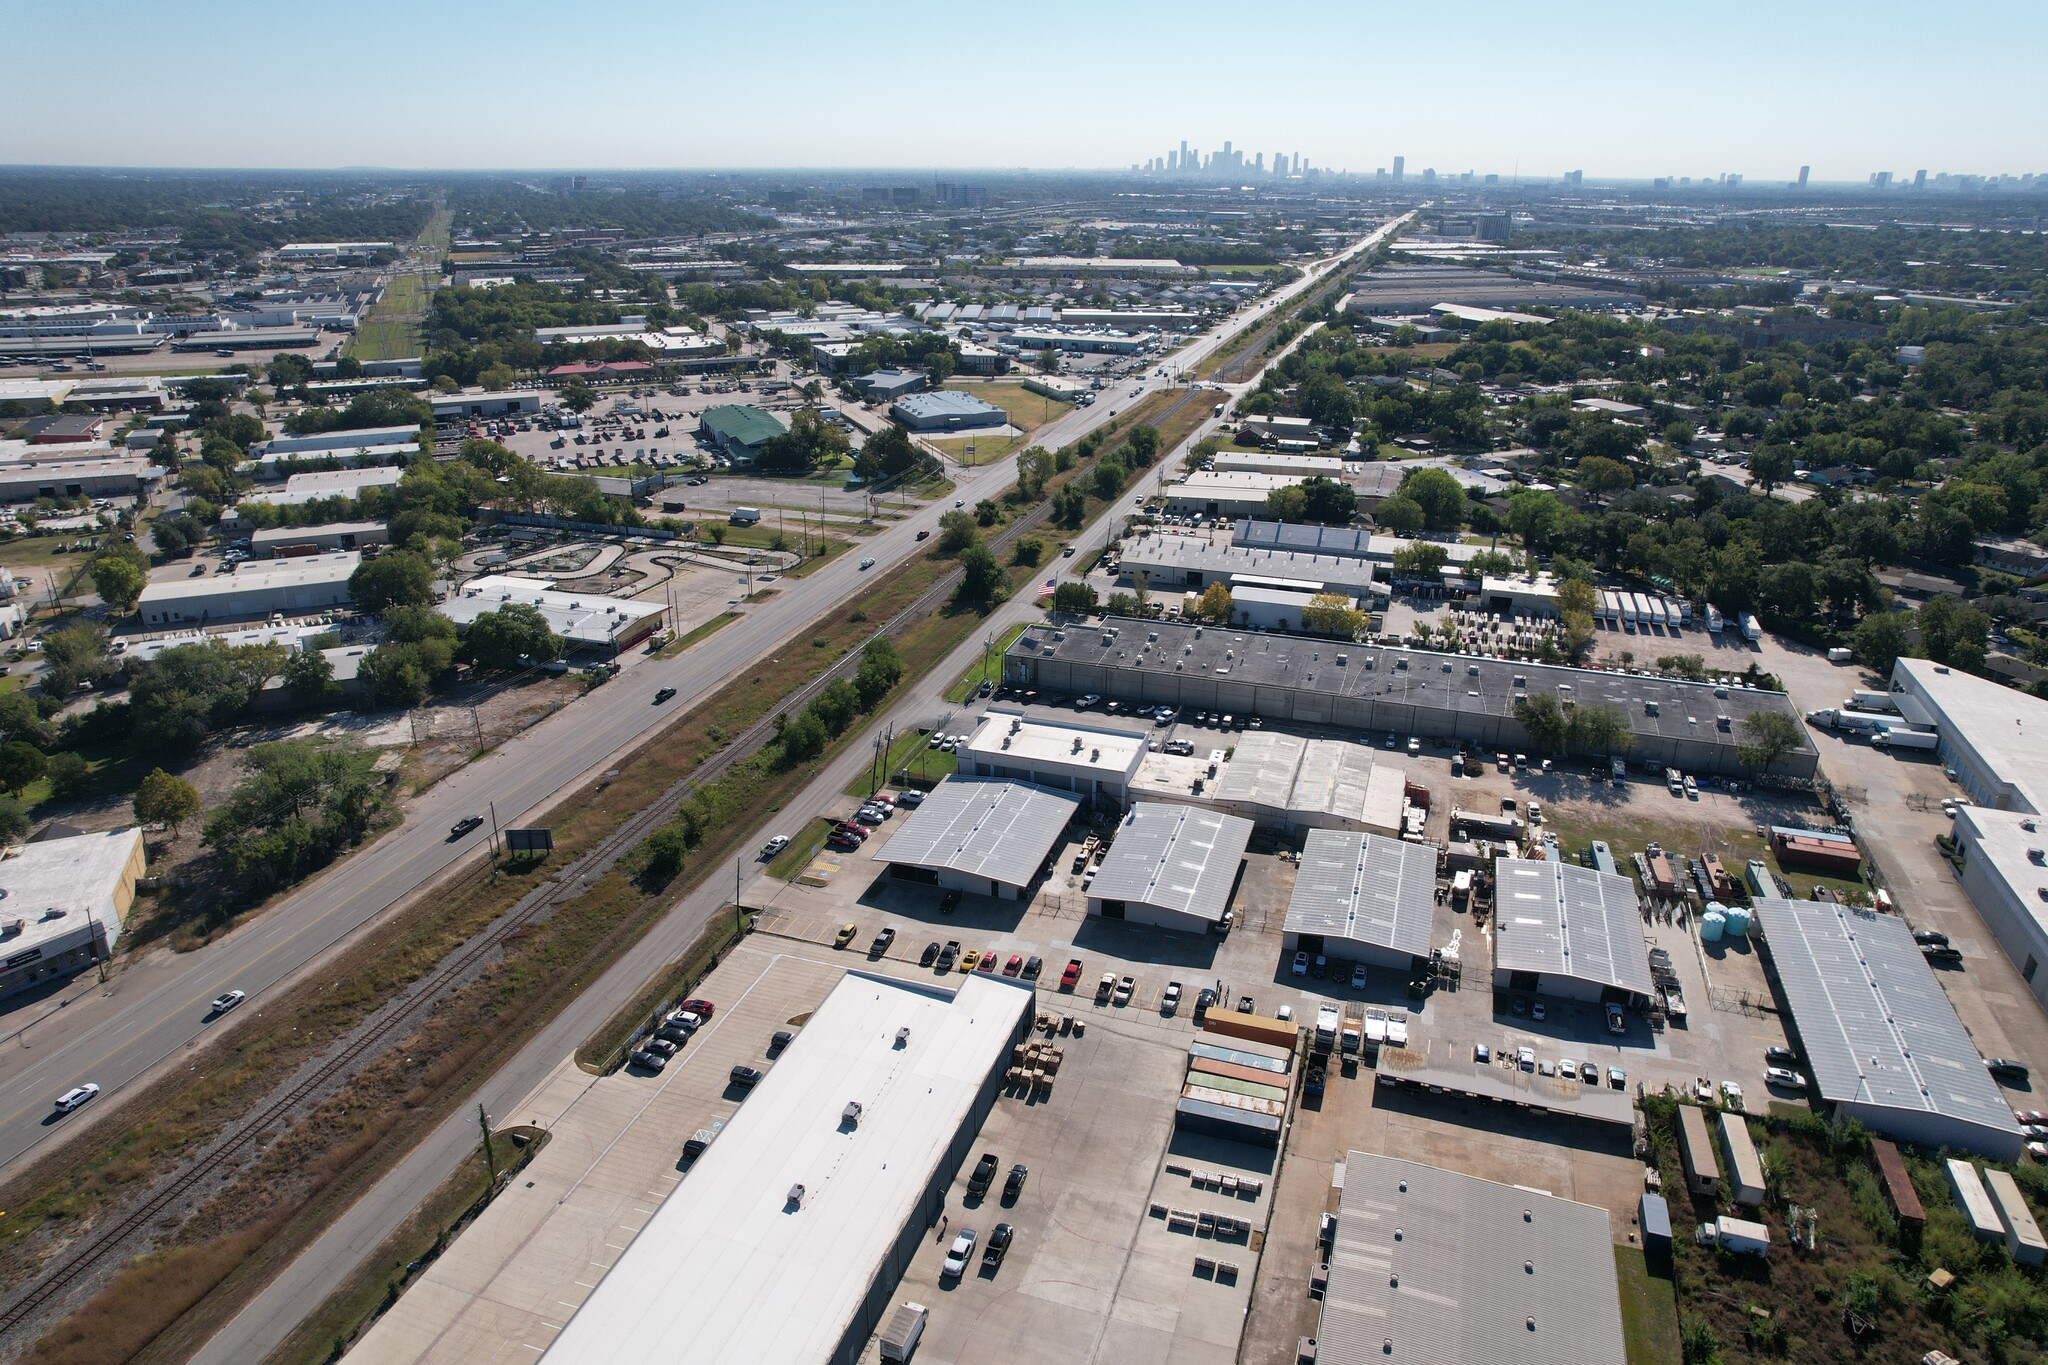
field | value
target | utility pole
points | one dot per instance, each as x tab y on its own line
494	838
483	1121
478	727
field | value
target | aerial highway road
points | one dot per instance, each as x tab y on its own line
155	1009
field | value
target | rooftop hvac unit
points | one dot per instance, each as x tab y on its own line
903	1036
14	926
851	1114
2036	855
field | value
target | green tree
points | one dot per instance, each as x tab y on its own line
309	680
1879	639
497	378
661	855
1768	737
161	799
1073	598
1327	502
399	579
395	674
1400	515
887	453
982	581
1441	497
1424	559
14	821
20	764
1287	504
1599	475
70	776
1332	614
1770	466
119	578
73	655
1545	721
512	635
1034	467
803	738
1598	729
578	398
881	668
1214	605
957	531
1535	517
1953	633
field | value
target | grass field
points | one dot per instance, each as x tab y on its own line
393	330
979	450
803	846
910	750
1649	1310
701	632
1028	411
1683	828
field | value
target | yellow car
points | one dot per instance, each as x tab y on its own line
846	933
968	959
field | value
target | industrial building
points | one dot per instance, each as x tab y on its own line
1192	563
309	583
62	902
248	339
1171	866
1523	595
785	1243
2005	872
111	476
274	542
985	835
1340	541
584	620
1883	1041
1094	762
1290	783
1561	929
1374	688
505	403
1364	897
314	485
1225	495
1298	466
889	385
946	411
1420	288
1993	738
1430	1267
321	443
739	430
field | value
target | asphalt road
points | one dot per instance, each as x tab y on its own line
306	1283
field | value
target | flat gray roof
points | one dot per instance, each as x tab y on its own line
1561	919
1435	1268
983	827
1424	679
1878	1029
1365	888
1179	858
727	1271
1183	553
2006	730
945	403
1343	540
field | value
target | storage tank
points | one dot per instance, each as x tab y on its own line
1712	924
1737	917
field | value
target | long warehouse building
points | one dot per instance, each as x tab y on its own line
1884	1043
1366	688
785	1243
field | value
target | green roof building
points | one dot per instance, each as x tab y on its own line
739	430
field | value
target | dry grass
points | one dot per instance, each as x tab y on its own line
148	1295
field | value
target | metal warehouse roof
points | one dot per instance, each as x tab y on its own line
1564	920
1878	1029
1182	553
1665	708
1365	889
1341	540
1176	857
727	1272
1261	771
983	827
1435	1268
743	423
946	403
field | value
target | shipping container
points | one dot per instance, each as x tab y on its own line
1898	1185
1745	1171
2022	1233
1696	1150
1259	1029
1973	1201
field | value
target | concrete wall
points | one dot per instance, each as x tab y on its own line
1204	691
2011	922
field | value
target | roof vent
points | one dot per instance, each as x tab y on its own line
903	1036
2036	855
850	1115
1397	1234
1528	1267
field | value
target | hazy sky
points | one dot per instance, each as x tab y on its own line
1623	89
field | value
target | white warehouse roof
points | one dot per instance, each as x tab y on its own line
578	617
982	827
1365	889
1178	556
728	1271
60	887
1879	1032
1178	858
1564	920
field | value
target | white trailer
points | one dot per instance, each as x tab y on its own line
1630	605
1610	609
1752	629
1862	699
1657	617
1892	738
906	1325
1715	621
1738	1235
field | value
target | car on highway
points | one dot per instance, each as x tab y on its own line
226	1001
774	846
1784	1077
846	933
867	564
745	1077
464	826
663	695
76	1096
924	535
958	1255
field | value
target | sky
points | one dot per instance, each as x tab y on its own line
1619	90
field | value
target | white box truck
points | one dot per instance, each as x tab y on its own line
906	1325
1838	655
745	516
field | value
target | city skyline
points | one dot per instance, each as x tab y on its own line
357	96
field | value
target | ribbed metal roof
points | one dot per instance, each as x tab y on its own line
1178	858
1365	889
1435	1268
1877	1027
1565	920
982	827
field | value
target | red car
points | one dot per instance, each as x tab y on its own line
1014	965
987	963
1071	975
702	1008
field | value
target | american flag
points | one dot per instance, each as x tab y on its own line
1046	588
